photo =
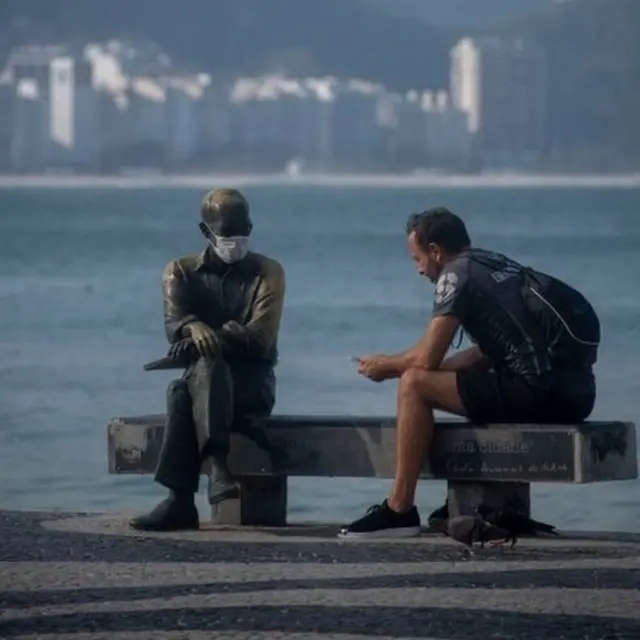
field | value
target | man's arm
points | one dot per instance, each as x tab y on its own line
450	303
429	353
175	301
260	333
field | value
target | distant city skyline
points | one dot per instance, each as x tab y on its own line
123	105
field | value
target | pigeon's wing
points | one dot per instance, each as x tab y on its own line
491	532
496	517
462	528
514	522
523	525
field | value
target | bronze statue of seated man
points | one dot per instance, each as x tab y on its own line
222	312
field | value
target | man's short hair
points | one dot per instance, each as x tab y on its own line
439	226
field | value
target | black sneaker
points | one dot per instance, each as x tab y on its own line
382	522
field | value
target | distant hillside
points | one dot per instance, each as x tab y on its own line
342	37
594	75
461	13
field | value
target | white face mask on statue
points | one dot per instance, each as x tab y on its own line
232	249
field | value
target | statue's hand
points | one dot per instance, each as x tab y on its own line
204	338
179	349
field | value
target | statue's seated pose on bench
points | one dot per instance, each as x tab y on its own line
222	312
536	341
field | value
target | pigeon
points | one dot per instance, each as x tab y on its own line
515	523
471	529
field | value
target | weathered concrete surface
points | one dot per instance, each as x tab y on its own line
356	446
87	576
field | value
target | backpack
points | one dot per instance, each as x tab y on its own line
566	319
554	301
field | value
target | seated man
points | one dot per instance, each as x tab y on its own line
222	312
535	343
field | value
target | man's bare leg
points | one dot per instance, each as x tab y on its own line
419	393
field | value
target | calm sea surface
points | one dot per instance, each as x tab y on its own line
80	311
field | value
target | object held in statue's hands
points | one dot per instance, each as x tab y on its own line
181	354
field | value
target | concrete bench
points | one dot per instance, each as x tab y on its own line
494	464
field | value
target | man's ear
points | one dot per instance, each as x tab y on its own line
434	251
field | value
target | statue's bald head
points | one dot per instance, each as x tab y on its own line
226	213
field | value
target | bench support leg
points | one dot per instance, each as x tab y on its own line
464	497
262	502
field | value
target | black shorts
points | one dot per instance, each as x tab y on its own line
490	396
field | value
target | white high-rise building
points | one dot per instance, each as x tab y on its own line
465	81
501	84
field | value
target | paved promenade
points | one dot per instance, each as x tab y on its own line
86	577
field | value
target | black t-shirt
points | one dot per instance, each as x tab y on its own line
484	290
